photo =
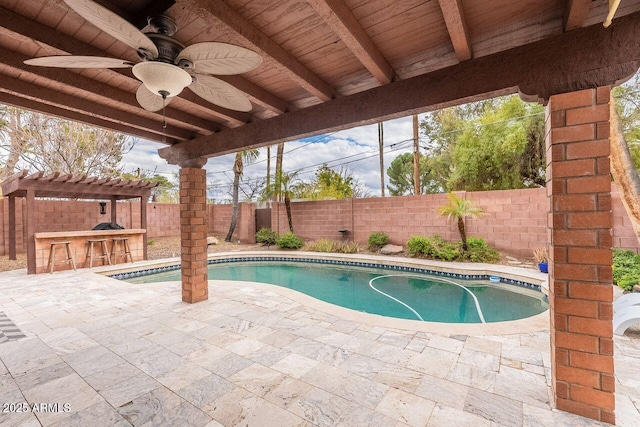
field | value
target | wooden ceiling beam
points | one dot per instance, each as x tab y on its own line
21	28
101	93
457	27
87	107
224	16
339	17
575	14
585	58
40	107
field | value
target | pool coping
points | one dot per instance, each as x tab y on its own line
531	324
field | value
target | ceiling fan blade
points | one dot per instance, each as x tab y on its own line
220	58
149	100
72	61
220	93
113	25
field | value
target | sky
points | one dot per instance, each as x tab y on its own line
354	149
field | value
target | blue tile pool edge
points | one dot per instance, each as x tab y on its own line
154	270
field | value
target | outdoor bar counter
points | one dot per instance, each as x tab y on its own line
79	246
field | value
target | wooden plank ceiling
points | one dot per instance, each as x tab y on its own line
314	52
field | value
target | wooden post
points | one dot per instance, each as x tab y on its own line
31	231
143	224
113	210
12	228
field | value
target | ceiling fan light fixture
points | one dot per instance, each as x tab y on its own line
161	77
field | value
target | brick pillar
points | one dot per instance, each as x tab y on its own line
193	231
580	281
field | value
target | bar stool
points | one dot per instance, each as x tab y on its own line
52	255
124	252
102	244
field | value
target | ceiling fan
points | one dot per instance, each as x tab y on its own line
167	66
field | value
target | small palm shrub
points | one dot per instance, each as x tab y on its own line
266	236
378	239
626	269
289	241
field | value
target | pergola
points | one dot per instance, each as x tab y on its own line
334	64
57	185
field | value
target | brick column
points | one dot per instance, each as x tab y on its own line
193	231
580	281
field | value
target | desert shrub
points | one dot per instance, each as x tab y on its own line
378	239
289	241
420	246
322	245
348	248
626	269
266	236
480	251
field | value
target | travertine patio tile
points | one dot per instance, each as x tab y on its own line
325	377
434	362
406	407
182	376
476	378
399	377
484	345
500	410
445	343
319	407
523	386
362	365
205	390
27	355
294	365
92	360
257	379
100	414
128	389
362	391
268	355
41	376
391	354
245	346
444	416
161	407
396	339
359	416
228	365
287	391
442	391
479	359
279	339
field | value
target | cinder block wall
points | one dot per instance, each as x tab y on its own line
515	220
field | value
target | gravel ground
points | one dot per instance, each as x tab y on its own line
168	247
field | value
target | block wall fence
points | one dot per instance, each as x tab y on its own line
515	220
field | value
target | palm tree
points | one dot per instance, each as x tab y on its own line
459	209
284	185
238	168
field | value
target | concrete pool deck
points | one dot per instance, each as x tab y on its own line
123	354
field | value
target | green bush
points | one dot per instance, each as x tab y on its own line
437	248
378	239
266	236
626	269
420	246
479	251
289	241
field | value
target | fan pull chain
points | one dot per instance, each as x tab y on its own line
164	115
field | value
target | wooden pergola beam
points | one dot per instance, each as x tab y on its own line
454	19
584	58
52	110
576	12
338	16
217	12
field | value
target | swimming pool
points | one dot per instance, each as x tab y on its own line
392	293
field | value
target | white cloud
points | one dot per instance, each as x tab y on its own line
355	149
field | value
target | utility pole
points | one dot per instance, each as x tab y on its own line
416	157
380	145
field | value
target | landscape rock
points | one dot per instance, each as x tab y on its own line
391	250
636	288
212	240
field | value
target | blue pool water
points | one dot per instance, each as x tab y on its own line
398	294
